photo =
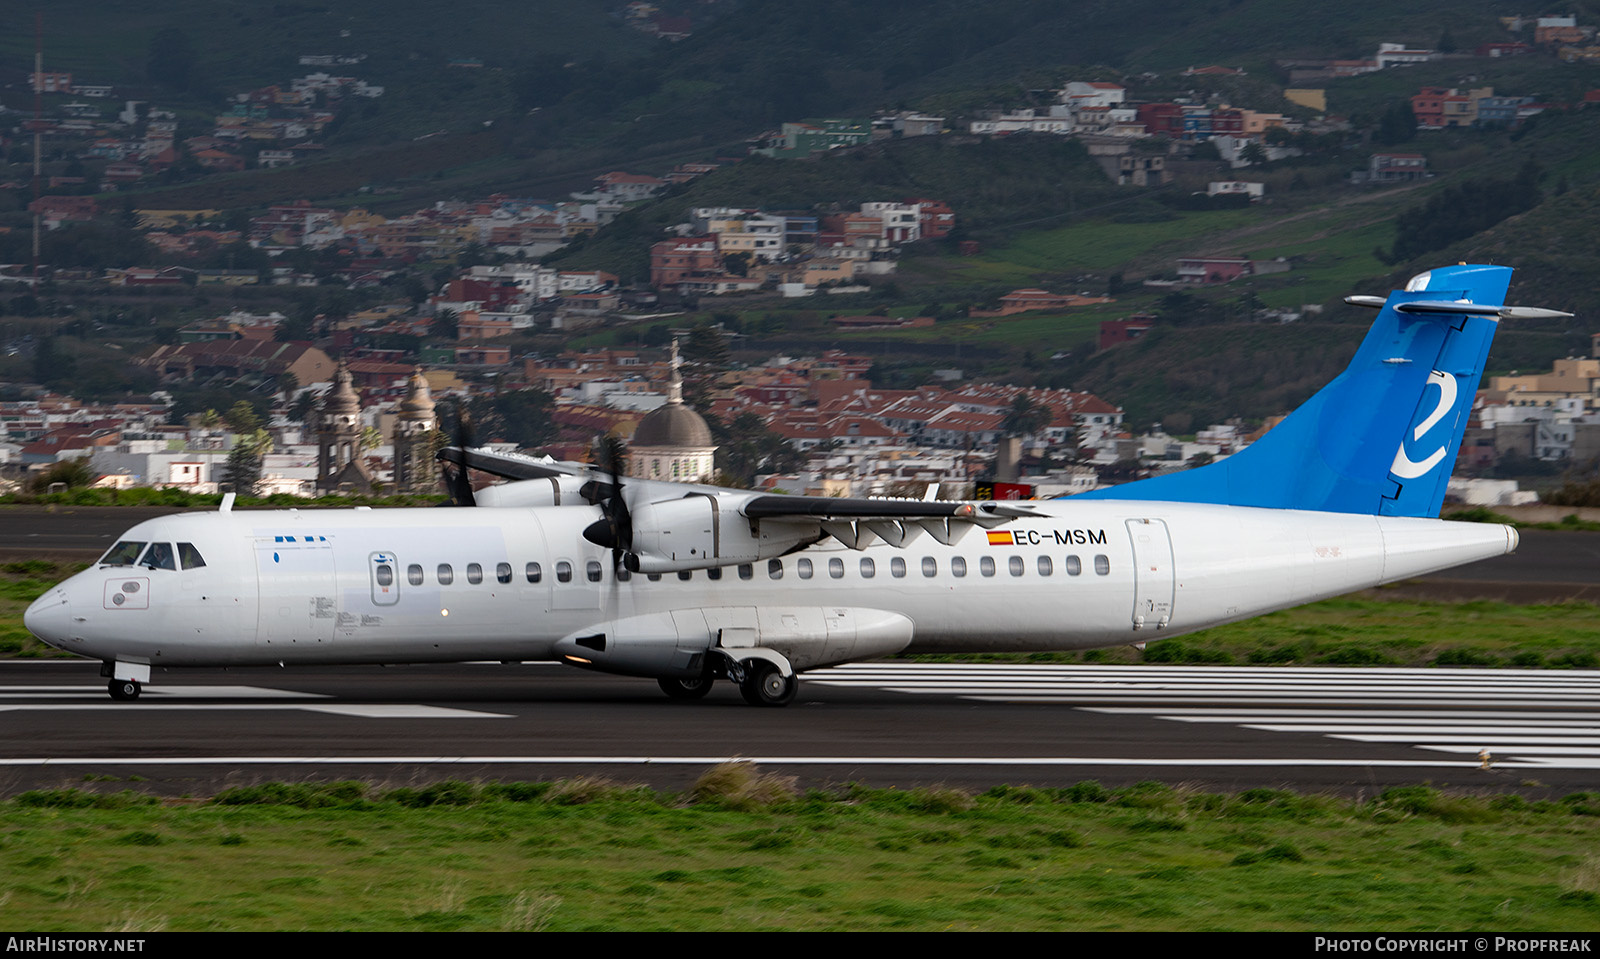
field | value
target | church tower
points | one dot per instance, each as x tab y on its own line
415	428
339	461
672	442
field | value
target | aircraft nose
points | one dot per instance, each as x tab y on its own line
49	617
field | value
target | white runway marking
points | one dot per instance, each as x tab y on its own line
1274	700
256	698
364	710
166	692
1023	761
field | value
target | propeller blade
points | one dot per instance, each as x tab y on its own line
613	502
457	476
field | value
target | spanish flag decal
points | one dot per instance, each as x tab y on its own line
1001	538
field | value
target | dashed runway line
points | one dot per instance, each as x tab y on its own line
1273	700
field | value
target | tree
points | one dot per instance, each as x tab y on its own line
75	473
242	418
171	59
50	365
243	470
445	325
303	406
1398	124
707	346
1253	153
1025	417
746	447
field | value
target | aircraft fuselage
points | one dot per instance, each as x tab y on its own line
432	585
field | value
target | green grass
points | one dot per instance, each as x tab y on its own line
584	855
1107	245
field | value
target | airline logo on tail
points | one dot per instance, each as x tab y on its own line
1404	466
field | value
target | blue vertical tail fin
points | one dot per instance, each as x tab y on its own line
1382	437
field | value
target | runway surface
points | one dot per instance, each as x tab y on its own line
1353	731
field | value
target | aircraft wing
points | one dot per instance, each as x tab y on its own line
774	506
512	466
519	466
676	526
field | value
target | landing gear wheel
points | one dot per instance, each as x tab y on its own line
695	688
765	686
123	690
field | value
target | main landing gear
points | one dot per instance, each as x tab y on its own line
687	688
761	682
124	690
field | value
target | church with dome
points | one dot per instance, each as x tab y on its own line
672	442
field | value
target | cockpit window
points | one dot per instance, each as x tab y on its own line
189	556
122	554
159	556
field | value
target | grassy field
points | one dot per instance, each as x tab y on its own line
742	851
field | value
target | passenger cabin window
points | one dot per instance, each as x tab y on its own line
159	556
897	568
774	569
653	577
623	575
746	571
123	554
474	573
502	572
958	566
1102	565
869	569
384	573
714	572
803	569
1074	566
534	572
189	556
414	574
930	566
563	572
446	574
591	569
1015	565
686	575
1045	566
986	565
836	568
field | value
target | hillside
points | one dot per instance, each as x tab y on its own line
544	96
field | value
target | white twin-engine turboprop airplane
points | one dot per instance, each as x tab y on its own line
689	584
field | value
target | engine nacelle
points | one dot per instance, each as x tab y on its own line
695	532
550	491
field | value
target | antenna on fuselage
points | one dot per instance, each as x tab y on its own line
227	502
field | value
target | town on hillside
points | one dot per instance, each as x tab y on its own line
476	308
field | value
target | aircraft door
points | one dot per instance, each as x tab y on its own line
578	582
383	572
1152	573
298	591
